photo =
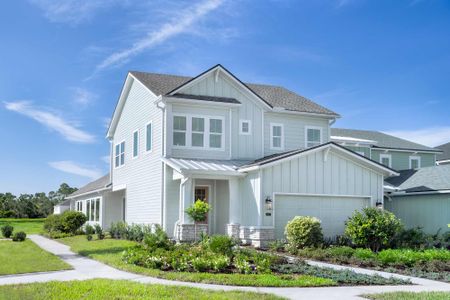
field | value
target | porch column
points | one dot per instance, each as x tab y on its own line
186	194
235	212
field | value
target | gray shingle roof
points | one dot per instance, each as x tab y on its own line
275	96
100	183
446	152
207	98
383	140
426	179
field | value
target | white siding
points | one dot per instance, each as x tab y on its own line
112	208
172	202
142	175
294	130
251	207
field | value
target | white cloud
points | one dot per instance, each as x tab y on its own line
52	121
181	23
71	167
83	97
105	159
433	136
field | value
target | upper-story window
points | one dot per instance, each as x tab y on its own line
179	131
198	132
135	143
119	155
276	136
414	162
148	137
386	160
313	136
244	127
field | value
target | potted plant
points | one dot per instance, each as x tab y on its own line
198	212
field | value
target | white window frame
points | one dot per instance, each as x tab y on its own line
92	201
241	122
415	157
146	137
138	141
306	135
206	133
272	125
120	153
191	132
384	155
361	153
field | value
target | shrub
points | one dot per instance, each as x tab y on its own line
71	221
19	236
413	238
89	237
158	239
304	232
53	223
364	254
277	246
198	211
58	235
99	232
221	244
119	230
372	228
7	230
89	230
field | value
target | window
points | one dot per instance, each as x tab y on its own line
119	156
93	210
215	133
244	127
79	206
414	162
313	136
276	136
148	137
198	129
179	131
135	143
361	153
385	159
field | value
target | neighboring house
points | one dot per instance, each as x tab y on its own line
389	150
421	198
61	207
444	158
258	154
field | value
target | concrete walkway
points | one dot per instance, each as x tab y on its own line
85	268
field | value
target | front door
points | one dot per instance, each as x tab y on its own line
202	193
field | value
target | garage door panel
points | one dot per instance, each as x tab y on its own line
333	211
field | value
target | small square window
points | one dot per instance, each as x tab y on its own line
245	127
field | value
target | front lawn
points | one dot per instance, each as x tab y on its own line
29	226
118	289
27	257
410	296
110	251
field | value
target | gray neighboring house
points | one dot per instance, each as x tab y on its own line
444	158
421	198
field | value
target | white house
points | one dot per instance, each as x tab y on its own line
258	154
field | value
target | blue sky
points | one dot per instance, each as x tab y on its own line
383	65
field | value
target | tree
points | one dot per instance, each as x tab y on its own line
66	190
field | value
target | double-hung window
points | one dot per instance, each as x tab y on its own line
119	155
198	132
414	162
179	131
313	136
148	137
215	133
79	206
276	136
386	160
93	209
135	143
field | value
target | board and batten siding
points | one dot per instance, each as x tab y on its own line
142	175
242	146
400	160
311	175
294	130
431	212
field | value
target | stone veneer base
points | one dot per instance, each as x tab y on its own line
187	232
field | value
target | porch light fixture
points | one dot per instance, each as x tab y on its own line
379	204
268	204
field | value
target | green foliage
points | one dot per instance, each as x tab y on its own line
413	238
277	246
89	230
89	237
58	235
53	223
410	257
198	211
303	232
409	296
7	230
157	239
71	221
99	231
364	254
19	236
372	228
222	244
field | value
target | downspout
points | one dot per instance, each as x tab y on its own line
161	106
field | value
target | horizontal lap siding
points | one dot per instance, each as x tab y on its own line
400	160
142	175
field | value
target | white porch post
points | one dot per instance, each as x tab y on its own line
185	199
234	217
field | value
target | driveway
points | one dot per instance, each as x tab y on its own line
86	268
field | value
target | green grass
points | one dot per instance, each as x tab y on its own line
27	257
410	296
29	226
118	289
110	251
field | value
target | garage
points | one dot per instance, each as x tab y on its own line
333	211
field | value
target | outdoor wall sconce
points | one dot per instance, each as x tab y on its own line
268	203
379	204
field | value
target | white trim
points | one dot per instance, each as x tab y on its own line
272	147
205	103
306	135
146	135
384	155
120	154
282	110
88	193
263	142
361	153
249	122
119	187
230	135
444	161
406	150
401	193
138	142
415	157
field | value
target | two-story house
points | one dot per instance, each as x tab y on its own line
258	154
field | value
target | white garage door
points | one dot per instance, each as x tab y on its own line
333	211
